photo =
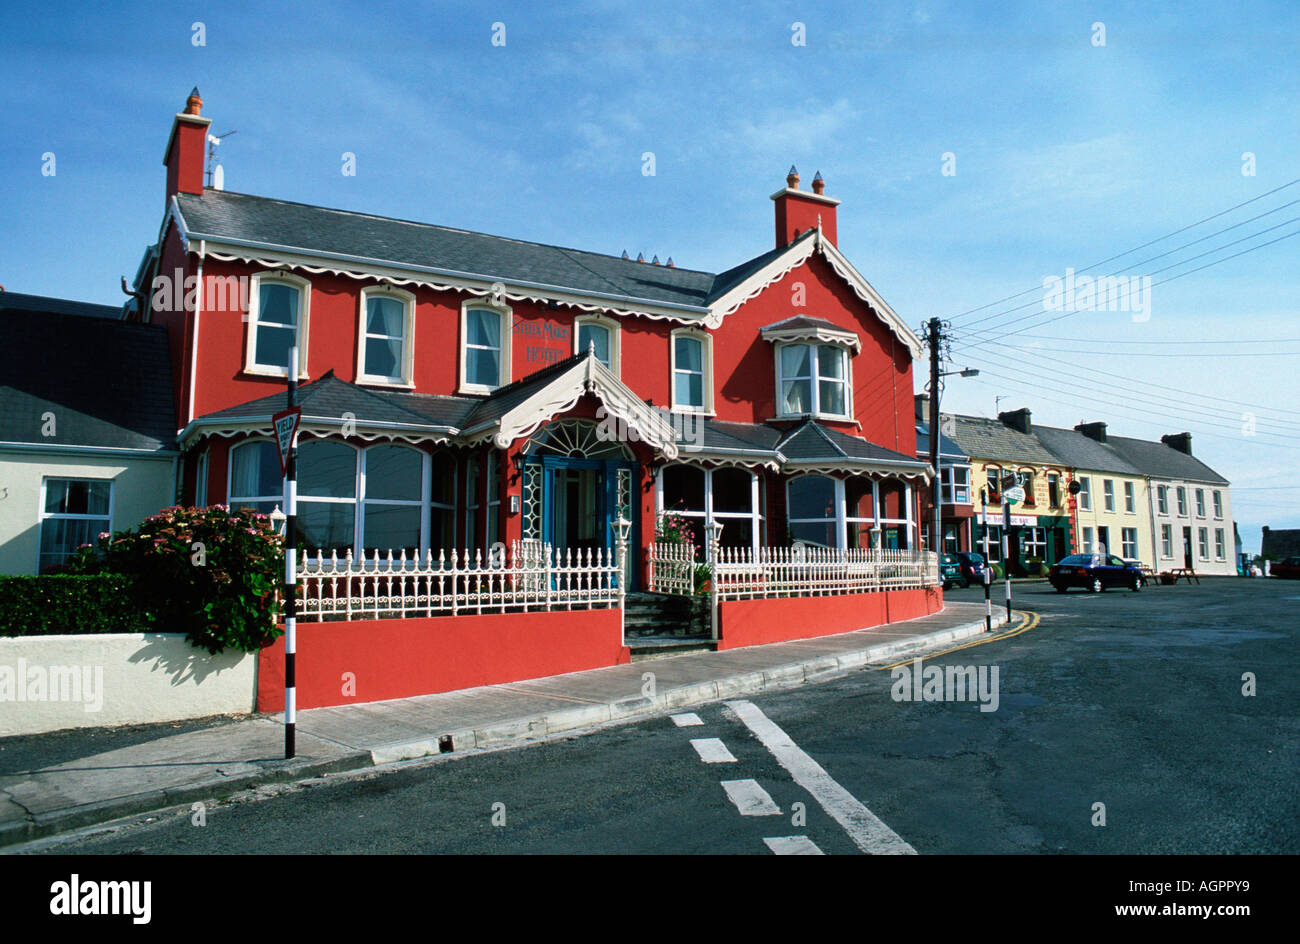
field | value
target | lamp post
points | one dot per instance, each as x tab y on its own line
622	528
715	539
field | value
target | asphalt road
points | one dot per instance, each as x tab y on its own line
1131	700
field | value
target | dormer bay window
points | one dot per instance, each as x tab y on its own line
812	367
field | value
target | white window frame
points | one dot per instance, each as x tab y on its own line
1218	503
1162	501
1128	538
406	361
950	484
44	516
814	380
755	516
1203	543
1200	503
362	499
1087	540
615	339
1181	494
1130	498
1085	493
842	517
706	381
1053	488
1167	541
304	322
506	315
1108	496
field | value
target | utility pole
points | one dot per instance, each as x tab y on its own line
934	335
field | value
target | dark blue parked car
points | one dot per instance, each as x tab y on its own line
1095	572
972	567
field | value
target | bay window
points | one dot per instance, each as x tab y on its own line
812	379
956	484
255	479
702	496
851	513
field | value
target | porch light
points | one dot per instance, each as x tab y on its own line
622	528
715	533
278	520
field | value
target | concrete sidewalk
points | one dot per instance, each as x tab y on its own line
217	761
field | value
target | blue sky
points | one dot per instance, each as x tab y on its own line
1065	152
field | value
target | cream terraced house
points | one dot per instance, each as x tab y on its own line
1111	509
1189	504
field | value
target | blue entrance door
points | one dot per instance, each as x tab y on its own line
581	499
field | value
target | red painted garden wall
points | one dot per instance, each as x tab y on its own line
757	622
402	658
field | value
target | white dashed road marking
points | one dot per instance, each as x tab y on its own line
686	720
750	798
866	830
712	751
793	845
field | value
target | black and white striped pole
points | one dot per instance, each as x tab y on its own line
988	585
1006	554
287	439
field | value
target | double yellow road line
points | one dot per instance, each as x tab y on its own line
1029	621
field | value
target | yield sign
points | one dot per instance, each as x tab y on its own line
286	426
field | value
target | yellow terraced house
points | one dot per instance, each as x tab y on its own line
1112	504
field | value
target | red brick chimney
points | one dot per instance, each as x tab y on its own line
798	211
184	156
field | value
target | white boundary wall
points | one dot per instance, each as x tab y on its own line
53	682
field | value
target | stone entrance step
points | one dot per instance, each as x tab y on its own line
649	648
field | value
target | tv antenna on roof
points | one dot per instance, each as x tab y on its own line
216	175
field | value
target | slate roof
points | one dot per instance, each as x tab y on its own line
810	441
19	303
1075	449
220	214
983	438
1164	462
329	398
947	448
802	321
107	382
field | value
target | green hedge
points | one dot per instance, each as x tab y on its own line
67	604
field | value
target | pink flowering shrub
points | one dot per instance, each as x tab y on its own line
211	573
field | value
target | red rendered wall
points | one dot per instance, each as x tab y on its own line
402	658
758	622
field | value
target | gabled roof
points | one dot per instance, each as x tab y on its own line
983	438
1075	449
105	383
1280	542
1161	461
805	328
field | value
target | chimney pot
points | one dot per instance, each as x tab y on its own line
640	257
818	184
670	262
1180	441
625	255
1017	420
792	178
655	260
1095	431
194	104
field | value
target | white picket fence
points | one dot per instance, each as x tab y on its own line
526	578
740	573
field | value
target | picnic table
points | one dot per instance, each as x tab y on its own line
1187	572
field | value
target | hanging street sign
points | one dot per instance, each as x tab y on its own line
286	424
1013	495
